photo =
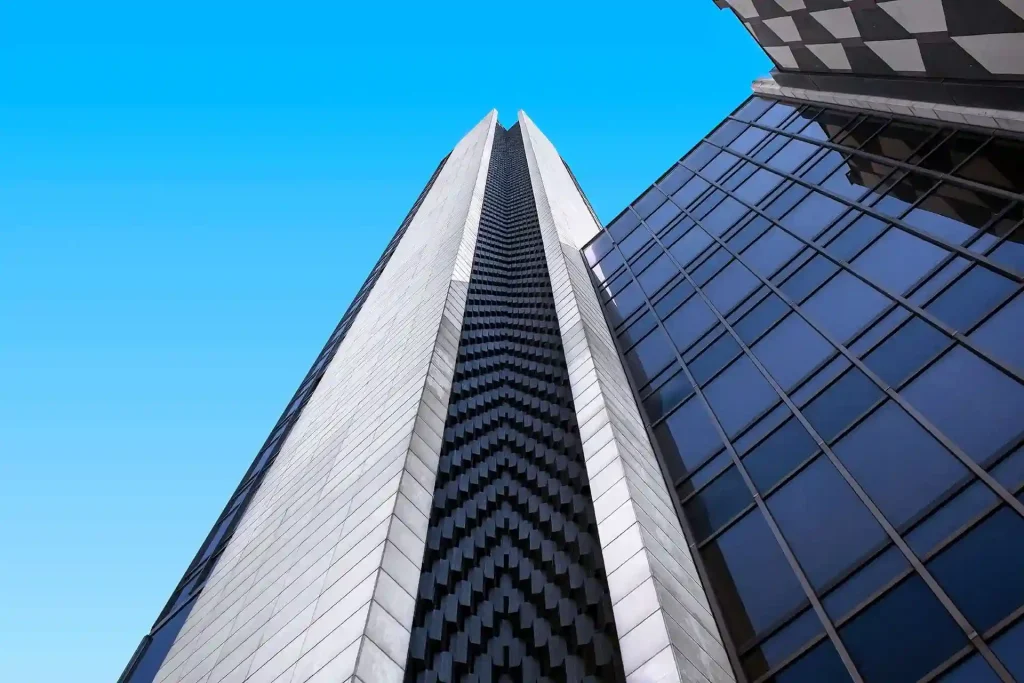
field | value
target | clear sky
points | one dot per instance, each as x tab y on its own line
190	195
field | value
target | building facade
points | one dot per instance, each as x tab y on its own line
821	313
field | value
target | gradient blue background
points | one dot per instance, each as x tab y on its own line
190	195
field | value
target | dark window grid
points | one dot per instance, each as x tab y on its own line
906	165
958	249
749	483
887	527
605	280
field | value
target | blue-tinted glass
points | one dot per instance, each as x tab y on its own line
717	167
667	396
909	348
750	231
782	644
847	182
726	132
939	280
886	324
785	200
1010	254
645	257
953	514
821	378
974	670
598	248
748	140
724	216
769	147
706	473
865	582
665	214
714	358
903	636
1009	648
972	296
754	107
824	522
609	265
758	186
983	571
779	454
753	595
632	244
898	260
826	162
678	229
685	195
902	468
764	425
623	225
726	289
837	406
649	356
813	215
739	394
1010	471
807	278
769	252
711	266
861	132
637	329
844	306
821	665
954	213
675	179
760	318
146	670
691	244
625	302
657	274
687	438
690	322
790	157
717	503
971	402
791	350
648	202
779	112
672	297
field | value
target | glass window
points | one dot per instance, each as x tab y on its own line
786	641
711	266
909	348
717	503
649	356
790	157
1010	471
753	108
849	397
786	199
597	249
768	253
939	279
998	164
809	276
769	147
954	213
791	350
760	318
717	167
813	215
821	378
779	454
675	179
739	394
665	214
715	357
974	670
687	438
623	225
899	192
953	514
980	415
847	181
637	329
972	296
724	216
632	244
898	260
764	425
754	583
826	525
672	297
1009	648
690	191
692	243
748	140
952	152
823	164
878	331
732	284
149	664
701	155
624	303
982	571
609	265
648	202
779	112
903	636
855	237
865	582
652	279
757	187
902	468
820	664
726	132
667	396
689	322
844	306
898	140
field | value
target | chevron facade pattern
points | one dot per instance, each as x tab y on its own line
513	585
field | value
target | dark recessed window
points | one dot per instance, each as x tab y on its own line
882	570
844	306
717	503
997	164
836	407
779	454
907	350
954	513
898	260
776	649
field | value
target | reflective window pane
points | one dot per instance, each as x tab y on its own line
675	179
791	156
954	213
770	251
954	513
726	289
786	641
1009	647
836	407
717	503
821	664
739	394
813	215
623	225
668	395
972	296
779	454
760	318
757	187
650	356
690	322
907	350
690	245
844	306
657	274
665	214
974	670
898	260
687	438
791	350
882	570
714	358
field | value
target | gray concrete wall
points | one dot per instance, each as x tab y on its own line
317	582
665	626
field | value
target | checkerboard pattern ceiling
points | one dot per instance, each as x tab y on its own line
963	39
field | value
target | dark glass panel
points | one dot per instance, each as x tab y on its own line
739	394
903	636
863	131
901	467
983	571
690	191
971	402
909	348
706	473
770	251
791	350
680	228
674	296
623	225
652	279
848	243
998	164
824	522
636	240
952	152
726	132
813	215
675	179
667	396
1009	648
687	438
769	147
939	280
785	200
701	155
649	357
689	322
757	187
865	582
974	670
717	503
808	278
889	322
625	302
715	357
637	329
692	243
792	155
609	265
779	454
754	107
760	318
844	306
718	166
754	583
724	216
898	260
901	190
1010	471
821	665
820	379
665	214
711	266
953	514
823	164
148	665
847	181
836	407
834	124
776	649
954	213
972	296
730	286
648	202
898	140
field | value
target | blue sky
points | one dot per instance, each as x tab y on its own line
189	198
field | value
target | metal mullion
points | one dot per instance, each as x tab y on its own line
868	210
851	481
760	504
927	316
905	165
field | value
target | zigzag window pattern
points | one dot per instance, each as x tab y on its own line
513	586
